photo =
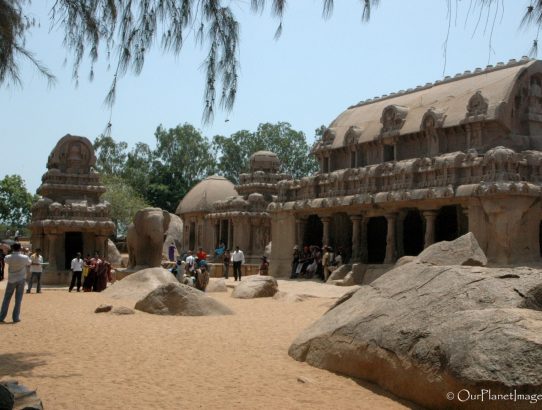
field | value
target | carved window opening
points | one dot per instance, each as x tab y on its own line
389	153
325	165
377	231
477	105
362	158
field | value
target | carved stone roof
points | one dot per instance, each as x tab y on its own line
266	161
205	194
472	96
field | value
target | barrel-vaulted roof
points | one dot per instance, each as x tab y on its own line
202	197
449	100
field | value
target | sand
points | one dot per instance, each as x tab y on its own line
77	359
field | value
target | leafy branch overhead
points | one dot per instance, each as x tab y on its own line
124	31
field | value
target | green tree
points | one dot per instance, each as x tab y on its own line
15	202
110	155
124	200
290	146
138	168
182	158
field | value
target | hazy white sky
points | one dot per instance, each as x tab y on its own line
308	77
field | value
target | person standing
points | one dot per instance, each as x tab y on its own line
238	258
36	268
264	266
77	271
171	251
2	256
16	275
202	255
226	260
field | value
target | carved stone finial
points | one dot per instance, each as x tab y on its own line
352	135
393	118
477	105
432	119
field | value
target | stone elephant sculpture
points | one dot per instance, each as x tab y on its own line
146	236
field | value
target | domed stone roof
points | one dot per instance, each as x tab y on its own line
205	193
264	161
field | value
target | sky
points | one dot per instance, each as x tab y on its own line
313	72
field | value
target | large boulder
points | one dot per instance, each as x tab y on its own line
339	273
256	287
18	397
113	255
139	284
462	251
181	300
422	331
216	285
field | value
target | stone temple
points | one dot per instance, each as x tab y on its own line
404	170
216	211
70	217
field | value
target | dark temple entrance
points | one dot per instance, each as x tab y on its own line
341	234
192	236
377	230
413	233
73	243
446	224
314	230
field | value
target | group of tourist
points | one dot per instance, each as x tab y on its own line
315	262
95	272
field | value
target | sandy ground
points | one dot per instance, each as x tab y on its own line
77	359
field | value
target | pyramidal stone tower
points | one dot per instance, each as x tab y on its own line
70	217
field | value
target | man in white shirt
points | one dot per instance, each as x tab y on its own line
190	264
238	258
77	271
17	264
35	270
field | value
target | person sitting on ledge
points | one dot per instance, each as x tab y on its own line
264	266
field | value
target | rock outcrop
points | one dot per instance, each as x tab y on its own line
256	287
139	284
339	273
421	331
103	308
463	251
113	255
181	300
17	397
122	310
217	285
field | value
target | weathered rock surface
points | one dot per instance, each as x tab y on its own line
122	310
139	284
462	251
181	300
17	397
103	308
340	272
113	255
421	331
404	260
354	277
289	297
256	287
217	285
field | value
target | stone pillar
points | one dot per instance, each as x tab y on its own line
230	244
390	239
325	222
220	233
430	218
52	239
356	222
363	254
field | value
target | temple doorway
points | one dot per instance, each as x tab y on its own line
413	233
341	234
377	231
224	233
192	237
446	224
314	230
73	243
